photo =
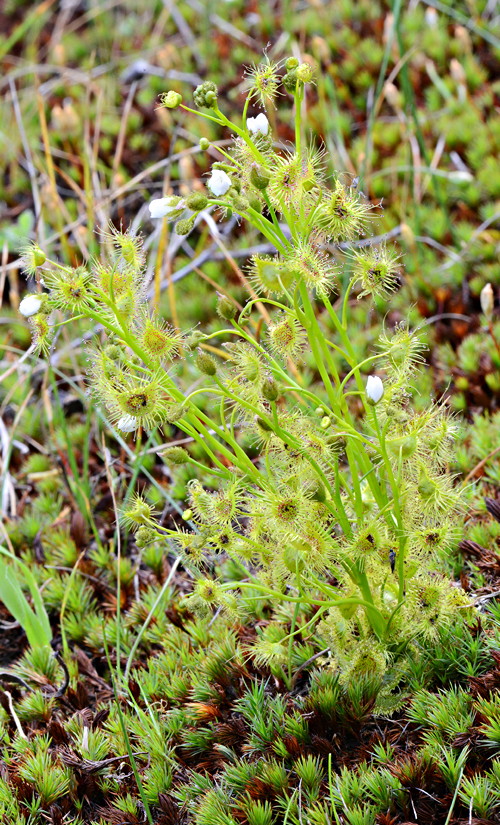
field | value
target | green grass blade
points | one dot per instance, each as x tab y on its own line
35	622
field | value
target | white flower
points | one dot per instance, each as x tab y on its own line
219	183
30	305
161	207
374	389
259	124
127	424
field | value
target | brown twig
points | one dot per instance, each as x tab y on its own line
481	465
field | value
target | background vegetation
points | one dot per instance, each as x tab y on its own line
406	100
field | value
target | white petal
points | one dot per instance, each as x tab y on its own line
30	305
161	207
259	124
262	123
219	182
127	424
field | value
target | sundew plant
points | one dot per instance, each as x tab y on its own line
338	520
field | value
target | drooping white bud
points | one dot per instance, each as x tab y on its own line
258	125
219	183
487	299
127	424
30	305
374	389
172	206
431	17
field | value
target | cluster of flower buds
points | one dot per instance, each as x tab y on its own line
297	74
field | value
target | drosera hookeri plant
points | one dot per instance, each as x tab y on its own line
349	498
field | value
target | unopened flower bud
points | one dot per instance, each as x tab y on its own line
204	144
205	363
336	442
32	257
374	389
240	204
196	201
254	203
144	536
175	413
184	227
175	455
139	512
259	177
305	73
290	81
171	100
39	256
113	352
291	63
187	514
270	389
487	299
225	308
195	339
325	422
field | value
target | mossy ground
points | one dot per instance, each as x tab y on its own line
198	732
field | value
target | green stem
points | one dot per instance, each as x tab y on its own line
269	591
245	109
312	330
299	94
290	640
396	494
243	134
